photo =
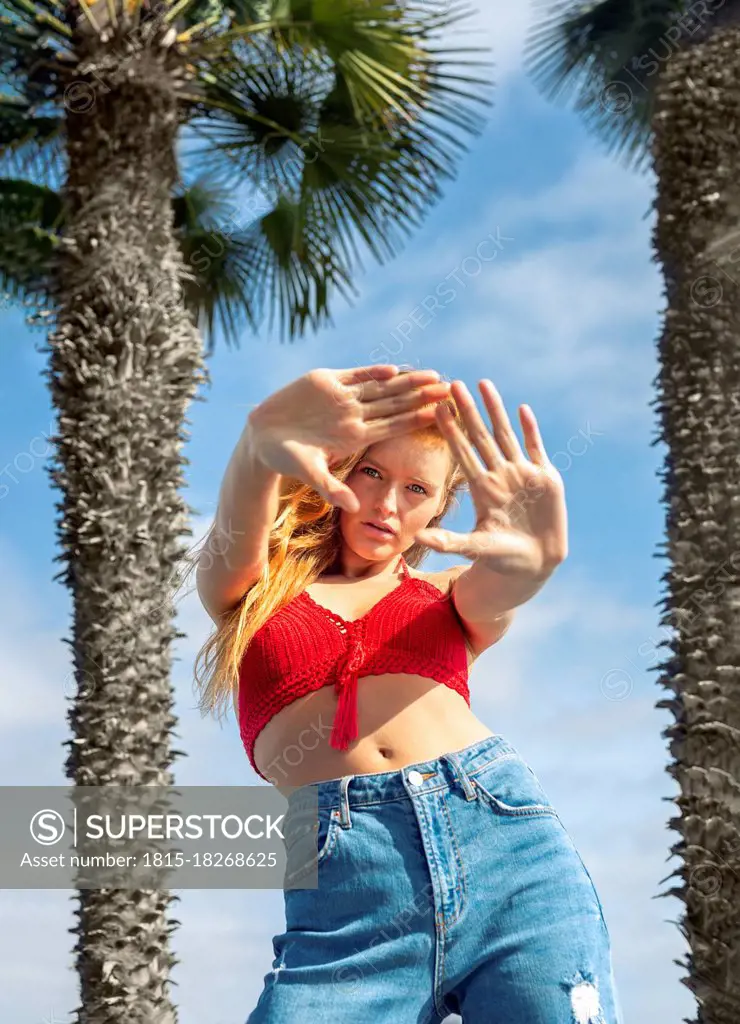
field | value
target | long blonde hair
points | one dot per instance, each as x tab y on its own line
304	543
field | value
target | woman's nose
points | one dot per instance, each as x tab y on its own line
386	503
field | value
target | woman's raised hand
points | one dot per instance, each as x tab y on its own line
326	415
521	520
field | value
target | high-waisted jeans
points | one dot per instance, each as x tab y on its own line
446	886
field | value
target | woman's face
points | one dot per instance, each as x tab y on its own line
399	482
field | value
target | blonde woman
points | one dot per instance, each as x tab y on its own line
446	881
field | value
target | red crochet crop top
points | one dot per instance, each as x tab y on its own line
305	646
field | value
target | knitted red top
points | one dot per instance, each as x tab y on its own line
304	646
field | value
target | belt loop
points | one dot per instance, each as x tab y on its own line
461	775
344	816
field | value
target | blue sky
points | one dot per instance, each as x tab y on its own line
564	318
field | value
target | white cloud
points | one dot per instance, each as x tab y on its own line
567	326
593	191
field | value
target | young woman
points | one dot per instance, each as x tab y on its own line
446	881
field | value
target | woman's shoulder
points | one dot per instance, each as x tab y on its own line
442	579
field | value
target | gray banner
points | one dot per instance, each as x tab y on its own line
149	837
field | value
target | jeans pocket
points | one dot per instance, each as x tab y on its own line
310	839
511	788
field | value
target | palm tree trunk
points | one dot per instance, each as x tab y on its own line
696	152
125	361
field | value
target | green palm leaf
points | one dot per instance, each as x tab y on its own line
599	57
277	258
357	148
30	143
344	118
30	217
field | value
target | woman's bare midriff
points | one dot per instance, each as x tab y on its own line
402	718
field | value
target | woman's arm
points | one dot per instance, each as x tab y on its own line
237	546
294	431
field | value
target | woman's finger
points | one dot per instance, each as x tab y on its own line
478	433
446	541
504	433
462	449
362	374
396	387
367	387
403	423
342	496
331	489
535	444
395	405
353	383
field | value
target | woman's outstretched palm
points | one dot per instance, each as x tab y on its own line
521	521
326	415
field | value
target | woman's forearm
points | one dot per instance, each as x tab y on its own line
237	546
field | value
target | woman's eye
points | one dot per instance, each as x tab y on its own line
373	470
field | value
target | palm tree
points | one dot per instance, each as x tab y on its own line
344	116
656	79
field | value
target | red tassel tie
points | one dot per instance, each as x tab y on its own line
344	729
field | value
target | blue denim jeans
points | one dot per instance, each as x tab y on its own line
446	886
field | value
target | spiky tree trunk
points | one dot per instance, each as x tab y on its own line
697	240
125	361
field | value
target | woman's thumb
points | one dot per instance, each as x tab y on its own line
331	487
341	495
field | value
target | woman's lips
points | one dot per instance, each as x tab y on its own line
376	531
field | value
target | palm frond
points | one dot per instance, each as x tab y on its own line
31	58
609	54
347	122
363	185
281	260
243	12
30	143
344	116
30	220
32	19
203	225
256	116
294	264
381	54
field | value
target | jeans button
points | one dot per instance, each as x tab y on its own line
415	778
